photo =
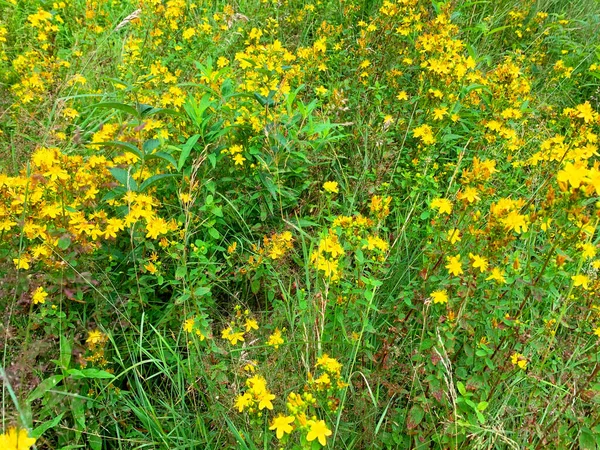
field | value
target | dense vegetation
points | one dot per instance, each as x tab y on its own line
358	224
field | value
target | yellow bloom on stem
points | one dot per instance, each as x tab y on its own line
16	440
39	296
275	340
231	336
318	430
453	235
188	325
497	275
469	194
251	324
282	425
519	360
479	262
454	265
331	187
581	280
440	296
443	205
264	400
95	337
242	401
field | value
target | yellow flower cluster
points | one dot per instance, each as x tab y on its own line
256	398
241	324
60	198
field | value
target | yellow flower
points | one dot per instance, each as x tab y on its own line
443	205
439	296
251	324
150	267
242	401
581	280
275	339
188	325
453	235
16	440
469	194
155	227
282	425
425	133
232	337
479	262
95	337
264	400
519	360
331	187
454	265
439	113
39	296
318	430
515	221
497	275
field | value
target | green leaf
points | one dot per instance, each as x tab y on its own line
64	242
461	388
186	150
44	386
150	145
90	374
480	417
78	410
201	291
587	440
65	352
165	157
153	179
255	286
482	406
123	176
95	441
41	429
415	416
119	106
214	233
180	272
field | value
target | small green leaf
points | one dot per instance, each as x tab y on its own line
180	272
123	176
480	417
415	416
587	440
119	106
90	373
44	386
482	406
65	352
150	145
186	150
461	388
41	429
201	291
64	242
164	156
153	179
